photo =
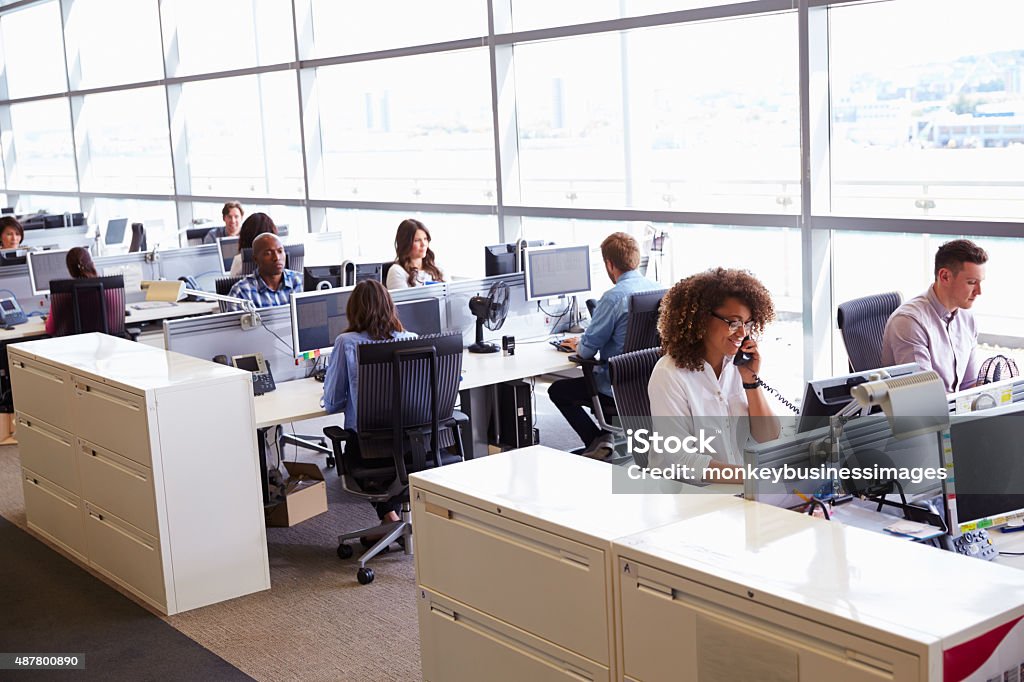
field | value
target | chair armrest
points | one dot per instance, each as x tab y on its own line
337	436
588	365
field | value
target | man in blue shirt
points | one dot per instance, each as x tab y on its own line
605	335
271	284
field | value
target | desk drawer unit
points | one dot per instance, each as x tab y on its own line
54	513
674	628
119	485
48	451
113	419
465	645
126	554
548	585
42	391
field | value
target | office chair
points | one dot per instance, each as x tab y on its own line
196	235
138	238
629	374
405	423
91	304
223	287
862	323
641	332
294	259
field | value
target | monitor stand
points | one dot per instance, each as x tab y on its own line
574	316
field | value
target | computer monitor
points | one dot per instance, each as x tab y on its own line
422	316
116	228
553	271
227	247
44	266
13	256
321	277
317	319
824	398
500	259
985	485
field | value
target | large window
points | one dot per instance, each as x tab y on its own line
102	52
412	129
928	113
33	46
41	147
667	118
242	136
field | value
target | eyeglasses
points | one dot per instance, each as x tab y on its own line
736	325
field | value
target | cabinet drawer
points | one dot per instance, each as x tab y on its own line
674	628
542	583
54	513
119	485
42	391
459	643
113	419
48	451
124	553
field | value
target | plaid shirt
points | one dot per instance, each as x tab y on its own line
253	288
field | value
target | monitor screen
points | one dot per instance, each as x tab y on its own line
13	256
317	319
247	362
228	249
321	277
557	271
115	231
422	316
824	398
44	266
987	476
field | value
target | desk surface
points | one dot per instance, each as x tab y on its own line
300	399
36	325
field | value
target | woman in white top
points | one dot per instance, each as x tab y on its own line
705	320
414	261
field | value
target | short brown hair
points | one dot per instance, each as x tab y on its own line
230	205
689	304
952	255
622	250
371	310
12	222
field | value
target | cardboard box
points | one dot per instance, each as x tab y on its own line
305	496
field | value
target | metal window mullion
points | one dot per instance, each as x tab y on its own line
504	120
310	133
177	131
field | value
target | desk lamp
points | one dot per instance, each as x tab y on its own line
914	404
163	290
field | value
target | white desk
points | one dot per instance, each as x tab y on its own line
300	399
133	316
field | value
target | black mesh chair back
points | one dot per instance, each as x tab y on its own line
294	256
248	263
196	235
862	323
223	287
642	322
629	374
91	304
407	392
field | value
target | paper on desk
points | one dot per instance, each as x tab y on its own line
913	529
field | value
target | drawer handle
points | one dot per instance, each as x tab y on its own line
655	589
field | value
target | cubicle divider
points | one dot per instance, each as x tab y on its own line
222	334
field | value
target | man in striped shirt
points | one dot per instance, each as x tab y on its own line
271	284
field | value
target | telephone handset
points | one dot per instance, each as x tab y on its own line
741	358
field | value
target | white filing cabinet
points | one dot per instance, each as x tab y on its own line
142	464
514	568
756	592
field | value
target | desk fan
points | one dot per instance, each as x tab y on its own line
489	310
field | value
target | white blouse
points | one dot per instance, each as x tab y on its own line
683	402
398	278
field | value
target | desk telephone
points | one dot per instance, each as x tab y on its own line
741	358
262	379
11	313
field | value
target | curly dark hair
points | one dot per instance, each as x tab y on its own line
688	305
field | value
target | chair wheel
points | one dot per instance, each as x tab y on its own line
344	551
364	575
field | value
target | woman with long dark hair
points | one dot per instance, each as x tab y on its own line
371	317
414	261
80	266
253	227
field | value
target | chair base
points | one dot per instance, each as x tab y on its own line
393	532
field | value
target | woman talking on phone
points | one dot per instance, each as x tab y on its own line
708	378
414	261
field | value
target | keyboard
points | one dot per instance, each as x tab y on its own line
559	345
148	305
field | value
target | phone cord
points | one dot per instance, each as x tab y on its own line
776	394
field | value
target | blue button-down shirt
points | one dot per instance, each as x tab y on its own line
607	331
341	384
253	288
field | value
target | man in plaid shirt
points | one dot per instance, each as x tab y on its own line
271	284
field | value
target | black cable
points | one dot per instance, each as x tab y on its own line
283	342
775	393
1011	554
